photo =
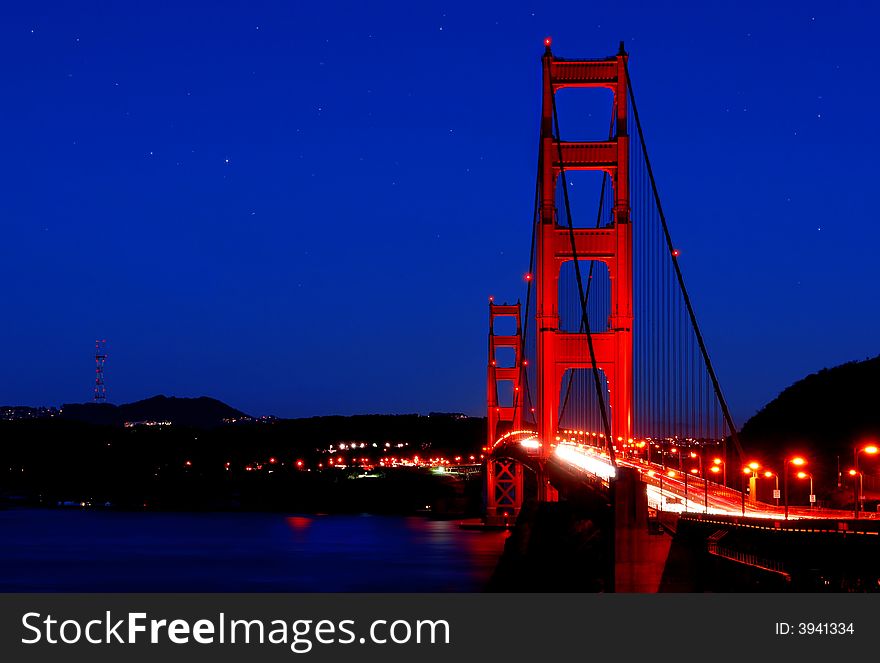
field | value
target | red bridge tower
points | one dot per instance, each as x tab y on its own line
560	351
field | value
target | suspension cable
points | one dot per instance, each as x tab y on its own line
678	273
526	391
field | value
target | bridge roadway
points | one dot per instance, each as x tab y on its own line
668	489
699	514
675	491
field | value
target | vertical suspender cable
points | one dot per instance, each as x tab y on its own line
690	309
524	322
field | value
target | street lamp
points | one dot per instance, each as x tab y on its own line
674	451
720	467
871	449
856	486
699	458
804	475
715	468
664	452
769	474
796	461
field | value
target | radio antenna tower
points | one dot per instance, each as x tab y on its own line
100	358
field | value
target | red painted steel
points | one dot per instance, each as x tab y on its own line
559	351
504	477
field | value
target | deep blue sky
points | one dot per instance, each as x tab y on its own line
300	208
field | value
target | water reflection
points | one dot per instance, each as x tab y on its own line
299	523
54	550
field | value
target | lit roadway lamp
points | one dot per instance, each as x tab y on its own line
715	469
686	472
796	461
671	475
771	475
856	486
675	451
804	475
871	449
699	458
664	453
720	467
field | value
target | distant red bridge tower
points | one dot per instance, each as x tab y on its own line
504	476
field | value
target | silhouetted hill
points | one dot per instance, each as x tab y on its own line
252	464
202	412
822	416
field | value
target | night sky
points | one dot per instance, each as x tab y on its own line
300	208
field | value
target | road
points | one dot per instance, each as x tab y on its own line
672	490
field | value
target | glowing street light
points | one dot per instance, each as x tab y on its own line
699	458
771	475
797	461
804	475
856	486
722	466
871	450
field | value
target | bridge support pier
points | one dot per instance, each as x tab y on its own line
638	556
546	491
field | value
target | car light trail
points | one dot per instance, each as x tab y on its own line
586	461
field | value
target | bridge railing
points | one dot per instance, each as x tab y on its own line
749	559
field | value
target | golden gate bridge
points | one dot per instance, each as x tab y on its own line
603	378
